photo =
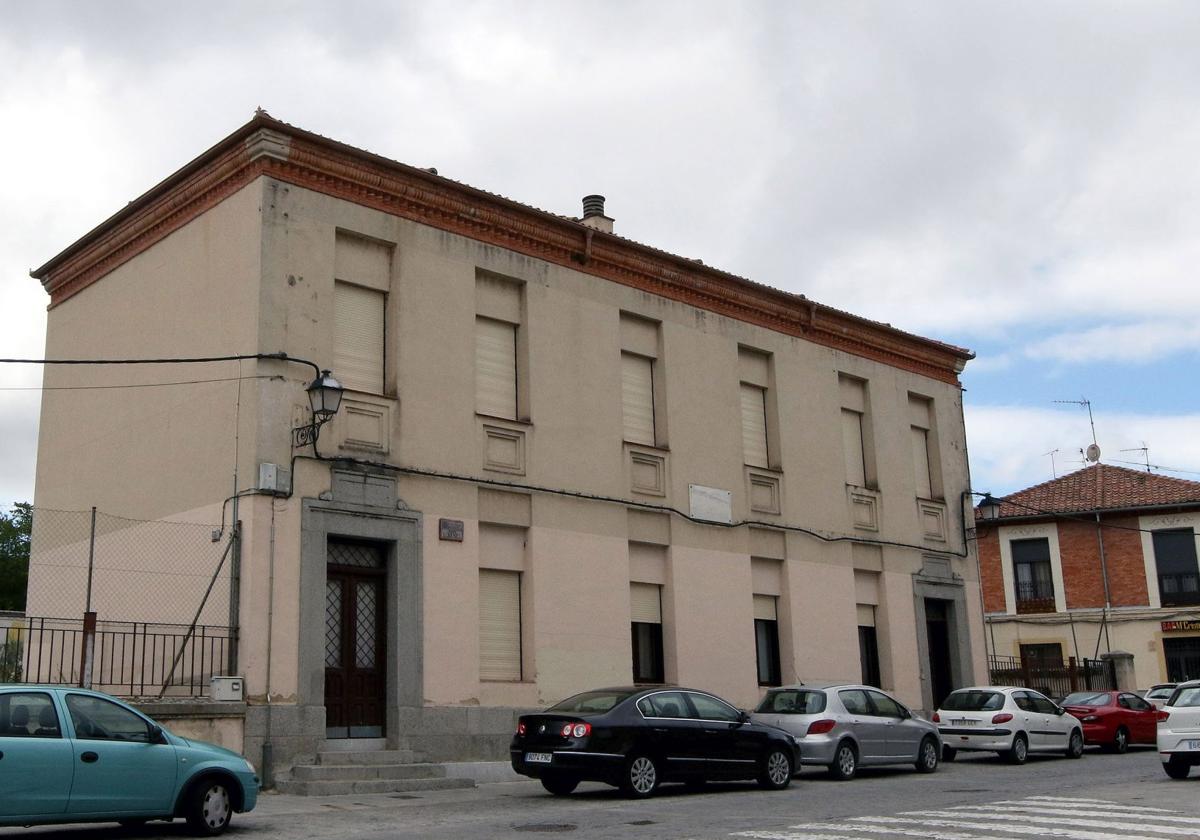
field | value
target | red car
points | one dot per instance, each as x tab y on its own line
1113	719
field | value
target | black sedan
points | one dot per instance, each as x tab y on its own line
636	738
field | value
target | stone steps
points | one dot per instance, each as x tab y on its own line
363	772
370	771
360	786
340	757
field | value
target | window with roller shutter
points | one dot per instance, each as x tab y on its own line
358	337
646	632
499	625
496	368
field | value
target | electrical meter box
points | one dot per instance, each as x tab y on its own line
226	688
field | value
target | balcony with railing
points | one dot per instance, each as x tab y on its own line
1179	590
1035	597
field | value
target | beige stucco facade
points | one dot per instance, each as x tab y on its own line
255	273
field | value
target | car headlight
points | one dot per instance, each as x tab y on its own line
250	766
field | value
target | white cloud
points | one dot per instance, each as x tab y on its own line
1141	342
1009	445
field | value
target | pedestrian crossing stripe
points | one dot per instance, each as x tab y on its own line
1069	818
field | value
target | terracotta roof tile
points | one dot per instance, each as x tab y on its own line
1100	487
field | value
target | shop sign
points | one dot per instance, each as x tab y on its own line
1181	626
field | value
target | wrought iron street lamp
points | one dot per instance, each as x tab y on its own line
989	508
325	398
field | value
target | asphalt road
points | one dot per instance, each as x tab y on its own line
1101	797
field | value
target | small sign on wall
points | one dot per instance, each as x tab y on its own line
1180	626
710	503
450	529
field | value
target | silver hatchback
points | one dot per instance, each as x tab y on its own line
843	726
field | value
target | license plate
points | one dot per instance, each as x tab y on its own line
539	758
1191	745
964	722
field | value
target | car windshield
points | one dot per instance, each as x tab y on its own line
793	702
1189	696
973	701
1086	698
1156	693
596	702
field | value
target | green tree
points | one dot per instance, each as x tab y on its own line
15	528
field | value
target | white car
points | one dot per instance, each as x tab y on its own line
1179	730
1011	721
1159	694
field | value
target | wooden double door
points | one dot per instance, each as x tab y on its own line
355	639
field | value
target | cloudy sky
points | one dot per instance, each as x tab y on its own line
1019	178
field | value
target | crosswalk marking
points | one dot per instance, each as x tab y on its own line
1059	817
1065	812
1026	830
1036	820
1061	802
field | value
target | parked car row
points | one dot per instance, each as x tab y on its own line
636	738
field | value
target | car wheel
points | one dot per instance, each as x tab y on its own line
210	807
845	762
1019	750
1177	769
640	778
560	785
1075	744
927	756
776	773
949	753
1120	742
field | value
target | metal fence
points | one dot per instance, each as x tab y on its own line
132	607
1053	680
132	659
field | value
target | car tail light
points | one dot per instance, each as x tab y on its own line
1003	717
937	718
1161	716
521	728
576	730
820	727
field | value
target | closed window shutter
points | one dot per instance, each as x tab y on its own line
754	425
765	608
358	337
920	447
852	446
645	603
496	368
637	398
499	625
866	615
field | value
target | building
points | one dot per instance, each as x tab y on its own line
1100	560
563	459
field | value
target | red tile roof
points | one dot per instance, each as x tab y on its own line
1100	487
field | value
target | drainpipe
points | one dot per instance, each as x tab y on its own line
1107	597
268	750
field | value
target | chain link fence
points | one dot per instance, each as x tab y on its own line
132	607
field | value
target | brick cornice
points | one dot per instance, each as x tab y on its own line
265	146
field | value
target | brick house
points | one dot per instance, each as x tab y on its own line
1100	560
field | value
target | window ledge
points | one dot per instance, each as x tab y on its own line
496	418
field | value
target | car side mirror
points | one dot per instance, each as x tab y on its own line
156	735
743	716
1060	711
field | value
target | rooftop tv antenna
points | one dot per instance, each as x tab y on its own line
1092	453
1053	468
1145	450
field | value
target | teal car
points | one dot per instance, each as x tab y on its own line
72	755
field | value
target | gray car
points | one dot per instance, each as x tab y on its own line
843	726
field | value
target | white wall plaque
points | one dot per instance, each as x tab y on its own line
710	503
